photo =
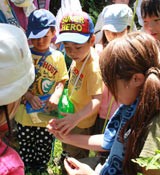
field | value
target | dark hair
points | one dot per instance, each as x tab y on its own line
104	39
134	53
53	28
4	109
150	8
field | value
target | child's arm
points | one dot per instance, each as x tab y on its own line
69	121
52	103
89	142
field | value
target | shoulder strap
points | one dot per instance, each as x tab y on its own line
84	63
108	113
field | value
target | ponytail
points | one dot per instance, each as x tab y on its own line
148	107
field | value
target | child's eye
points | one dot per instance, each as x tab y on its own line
78	48
158	19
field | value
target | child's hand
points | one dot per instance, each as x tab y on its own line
52	103
66	124
52	128
34	100
74	167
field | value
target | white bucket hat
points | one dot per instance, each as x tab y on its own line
27	5
16	67
117	17
22	3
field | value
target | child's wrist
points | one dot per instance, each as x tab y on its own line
28	95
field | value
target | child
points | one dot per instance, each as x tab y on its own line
85	84
131	71
117	19
51	73
150	12
16	75
17	11
99	22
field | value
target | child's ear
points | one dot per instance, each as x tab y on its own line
92	39
53	32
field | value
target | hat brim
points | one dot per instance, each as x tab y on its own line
72	37
114	27
37	33
14	90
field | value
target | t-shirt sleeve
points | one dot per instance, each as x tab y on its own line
152	144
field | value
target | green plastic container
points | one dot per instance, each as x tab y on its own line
65	105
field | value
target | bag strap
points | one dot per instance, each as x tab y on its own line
108	113
84	63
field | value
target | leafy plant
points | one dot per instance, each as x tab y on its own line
149	162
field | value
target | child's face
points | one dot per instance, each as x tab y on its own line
78	52
152	26
121	1
112	35
42	44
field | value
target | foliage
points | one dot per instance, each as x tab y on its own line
93	7
149	162
52	167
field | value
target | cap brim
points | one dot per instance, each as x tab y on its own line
114	27
37	34
72	37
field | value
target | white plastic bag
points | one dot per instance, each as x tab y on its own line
67	6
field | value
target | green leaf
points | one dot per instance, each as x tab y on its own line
154	162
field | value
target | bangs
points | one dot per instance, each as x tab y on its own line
150	8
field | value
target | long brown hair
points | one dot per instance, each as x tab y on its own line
122	58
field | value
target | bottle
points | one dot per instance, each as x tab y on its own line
65	105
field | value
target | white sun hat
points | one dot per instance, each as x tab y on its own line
16	66
117	17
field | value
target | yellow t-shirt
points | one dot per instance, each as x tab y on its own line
52	70
89	84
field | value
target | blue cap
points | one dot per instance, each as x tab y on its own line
75	27
39	23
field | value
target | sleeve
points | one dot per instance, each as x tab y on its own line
152	144
11	163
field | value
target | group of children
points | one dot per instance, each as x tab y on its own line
126	70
